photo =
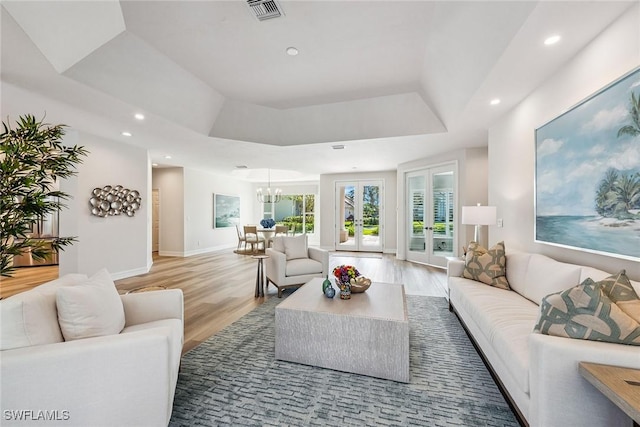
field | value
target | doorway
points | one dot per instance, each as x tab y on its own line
431	210
359	216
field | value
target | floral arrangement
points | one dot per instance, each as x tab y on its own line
344	273
267	222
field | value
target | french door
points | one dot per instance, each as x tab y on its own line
431	214
359	216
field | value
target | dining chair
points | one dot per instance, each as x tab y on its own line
252	238
241	238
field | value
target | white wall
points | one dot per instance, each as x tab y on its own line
327	209
199	234
170	185
119	243
472	189
511	140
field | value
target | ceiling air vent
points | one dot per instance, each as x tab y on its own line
265	9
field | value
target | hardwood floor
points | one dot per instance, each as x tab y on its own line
218	287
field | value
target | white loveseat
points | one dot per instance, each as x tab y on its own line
124	379
538	372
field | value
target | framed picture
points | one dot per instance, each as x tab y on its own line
587	184
226	211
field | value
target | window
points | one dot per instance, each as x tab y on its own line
297	211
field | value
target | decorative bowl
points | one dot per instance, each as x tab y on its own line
360	284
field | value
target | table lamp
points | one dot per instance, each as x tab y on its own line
478	215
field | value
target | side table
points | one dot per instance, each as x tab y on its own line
260	275
620	385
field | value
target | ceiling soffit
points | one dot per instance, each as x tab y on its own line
67	31
386	116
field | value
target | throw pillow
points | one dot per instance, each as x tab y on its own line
296	247
30	318
278	243
90	310
618	288
488	266
586	312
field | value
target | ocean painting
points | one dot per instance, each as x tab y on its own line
588	173
226	211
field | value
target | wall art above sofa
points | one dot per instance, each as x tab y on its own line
587	193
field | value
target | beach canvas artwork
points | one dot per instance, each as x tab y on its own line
226	211
588	173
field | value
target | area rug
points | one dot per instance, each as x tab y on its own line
233	379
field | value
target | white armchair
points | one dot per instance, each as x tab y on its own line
292	263
124	379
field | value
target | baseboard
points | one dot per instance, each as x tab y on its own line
512	404
171	253
209	249
129	273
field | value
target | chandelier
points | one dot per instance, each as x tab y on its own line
268	196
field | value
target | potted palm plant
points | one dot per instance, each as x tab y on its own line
32	159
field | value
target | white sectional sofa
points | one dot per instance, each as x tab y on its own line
124	379
539	373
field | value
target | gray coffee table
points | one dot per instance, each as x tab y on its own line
368	334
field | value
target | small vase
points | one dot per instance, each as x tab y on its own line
345	291
330	292
326	284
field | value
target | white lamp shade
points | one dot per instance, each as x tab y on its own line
479	215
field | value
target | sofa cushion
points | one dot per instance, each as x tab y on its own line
505	318
486	265
586	312
535	276
302	266
90	310
30	318
296	247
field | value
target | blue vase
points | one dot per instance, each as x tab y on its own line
330	292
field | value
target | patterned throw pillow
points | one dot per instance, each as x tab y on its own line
619	289
587	312
488	266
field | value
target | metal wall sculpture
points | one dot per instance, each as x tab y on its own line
116	200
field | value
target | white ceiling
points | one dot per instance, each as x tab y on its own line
393	81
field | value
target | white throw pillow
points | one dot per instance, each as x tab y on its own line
278	243
90	310
30	318
296	247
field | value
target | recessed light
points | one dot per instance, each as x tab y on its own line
139	116
125	133
552	40
167	156
292	51
495	101
338	147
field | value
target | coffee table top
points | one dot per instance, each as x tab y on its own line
381	301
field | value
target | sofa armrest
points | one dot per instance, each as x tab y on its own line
144	307
112	380
560	396
275	265
455	267
320	255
